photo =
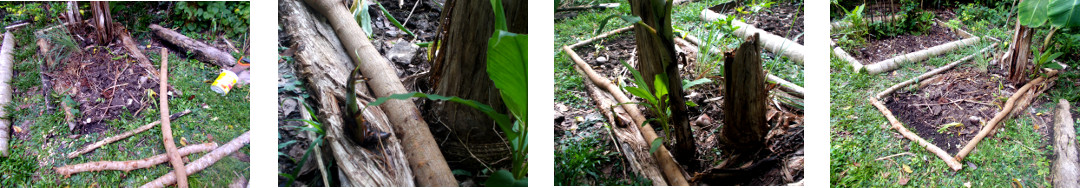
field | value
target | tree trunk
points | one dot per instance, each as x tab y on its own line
656	55
204	52
102	22
1016	58
461	70
745	101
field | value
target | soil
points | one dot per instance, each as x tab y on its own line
104	83
423	22
783	18
882	49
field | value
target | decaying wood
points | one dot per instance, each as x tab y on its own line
634	147
998	118
673	174
744	94
953	163
166	129
936	71
126	166
134	51
7	61
323	63
895	62
1065	172
425	158
1016	57
774	43
203	52
205	161
122	136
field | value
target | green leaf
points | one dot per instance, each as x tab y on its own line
1063	13
688	84
500	16
627	18
656	144
461	172
1032	13
286	144
660	84
508	68
637	77
640	92
394	20
363	17
503	178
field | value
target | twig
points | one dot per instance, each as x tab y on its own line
926	75
166	129
121	136
126	166
894	155
410	14
205	161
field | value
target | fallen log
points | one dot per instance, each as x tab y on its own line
205	161
166	129
774	43
953	163
839	53
634	147
7	61
323	63
122	136
126	166
203	52
671	170
1001	116
936	71
895	62
425	158
1065	172
786	86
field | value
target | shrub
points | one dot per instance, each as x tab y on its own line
231	17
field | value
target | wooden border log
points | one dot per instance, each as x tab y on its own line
949	160
839	53
671	170
122	136
7	61
203	52
421	150
786	86
205	161
634	147
936	71
324	64
126	166
769	41
895	62
166	129
1064	171
601	35
998	118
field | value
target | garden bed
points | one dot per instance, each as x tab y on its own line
782	18
884	48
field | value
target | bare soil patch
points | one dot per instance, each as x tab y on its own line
882	49
783	18
961	96
105	82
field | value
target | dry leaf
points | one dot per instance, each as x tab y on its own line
903	180
907	168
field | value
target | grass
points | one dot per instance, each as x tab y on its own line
32	159
1018	154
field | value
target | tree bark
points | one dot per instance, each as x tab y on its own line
126	166
421	150
1065	172
1016	58
323	63
656	55
633	145
745	101
102	22
203	52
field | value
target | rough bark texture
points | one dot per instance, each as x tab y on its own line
673	173
744	99
6	64
102	22
122	136
460	69
323	63
656	55
126	166
203	52
632	145
205	161
166	129
1016	58
1067	161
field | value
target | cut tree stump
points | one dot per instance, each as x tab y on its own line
1066	169
203	52
7	61
745	101
324	64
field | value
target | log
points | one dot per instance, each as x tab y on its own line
953	163
602	35
203	52
773	43
634	147
7	61
895	62
425	158
745	95
1066	160
133	50
126	166
673	174
323	63
786	86
166	129
839	53
1001	115
122	136
936	71
205	161
587	7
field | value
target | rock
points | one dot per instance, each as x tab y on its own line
601	59
402	52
